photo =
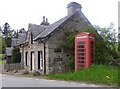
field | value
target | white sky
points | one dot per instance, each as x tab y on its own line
19	13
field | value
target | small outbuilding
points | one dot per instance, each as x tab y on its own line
8	54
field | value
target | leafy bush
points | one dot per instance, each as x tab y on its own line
8	41
71	63
119	46
16	57
2	45
69	46
2	56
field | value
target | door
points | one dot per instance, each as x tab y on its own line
26	58
32	61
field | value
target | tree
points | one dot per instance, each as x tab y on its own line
8	41
2	45
15	34
119	47
119	37
108	34
0	31
0	28
11	33
6	29
22	30
8	33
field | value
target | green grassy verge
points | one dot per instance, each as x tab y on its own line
2	62
99	74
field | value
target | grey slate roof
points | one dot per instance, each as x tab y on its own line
55	25
21	38
9	51
36	29
52	27
14	42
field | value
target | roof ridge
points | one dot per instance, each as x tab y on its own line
56	24
62	20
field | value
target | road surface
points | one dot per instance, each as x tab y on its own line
14	81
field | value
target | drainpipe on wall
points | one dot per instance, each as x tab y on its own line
22	56
44	57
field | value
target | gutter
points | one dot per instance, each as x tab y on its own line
44	57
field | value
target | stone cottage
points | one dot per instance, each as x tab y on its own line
41	49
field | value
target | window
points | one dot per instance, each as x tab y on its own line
26	58
81	43
40	60
81	52
57	50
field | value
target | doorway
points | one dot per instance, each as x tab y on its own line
32	61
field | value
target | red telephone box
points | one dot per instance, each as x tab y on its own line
85	46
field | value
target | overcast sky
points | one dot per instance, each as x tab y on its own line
19	13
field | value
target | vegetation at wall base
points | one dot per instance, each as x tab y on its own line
16	57
119	76
98	74
2	62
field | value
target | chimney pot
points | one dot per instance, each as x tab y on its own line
45	21
43	18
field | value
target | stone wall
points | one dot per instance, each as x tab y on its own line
35	47
55	56
1	68
13	66
57	61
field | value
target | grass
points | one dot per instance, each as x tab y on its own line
2	56
98	74
2	62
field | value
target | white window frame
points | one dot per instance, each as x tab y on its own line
41	60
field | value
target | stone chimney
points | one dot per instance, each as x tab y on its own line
73	7
43	18
45	22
